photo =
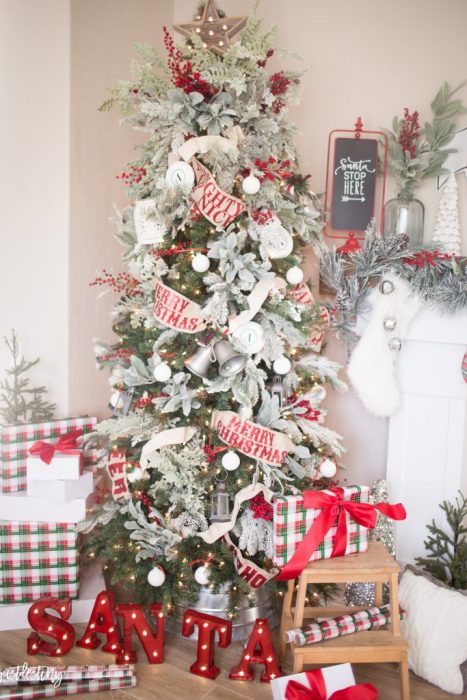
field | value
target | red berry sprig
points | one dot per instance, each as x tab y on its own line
426	257
134	176
122	283
183	75
409	132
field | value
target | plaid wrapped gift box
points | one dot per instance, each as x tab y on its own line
292	521
38	559
15	441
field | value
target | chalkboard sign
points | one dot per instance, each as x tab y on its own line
353	183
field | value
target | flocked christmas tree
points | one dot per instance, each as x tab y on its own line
447	233
217	376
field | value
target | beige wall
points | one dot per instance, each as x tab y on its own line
368	58
34	184
103	35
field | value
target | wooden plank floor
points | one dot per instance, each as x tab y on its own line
172	680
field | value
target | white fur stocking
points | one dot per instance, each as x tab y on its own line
371	366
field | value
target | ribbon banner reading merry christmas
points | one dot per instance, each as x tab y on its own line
252	440
215	205
176	311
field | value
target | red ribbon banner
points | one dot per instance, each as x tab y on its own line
66	444
334	508
317	690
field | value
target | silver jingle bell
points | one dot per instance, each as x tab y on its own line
386	287
389	323
395	344
200	362
230	361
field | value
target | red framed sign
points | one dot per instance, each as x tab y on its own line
355	182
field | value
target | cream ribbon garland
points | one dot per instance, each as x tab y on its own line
256	299
217	530
203	144
173	436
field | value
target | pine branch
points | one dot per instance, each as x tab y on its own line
18	401
447	551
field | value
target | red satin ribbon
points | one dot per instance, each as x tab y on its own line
67	444
317	690
334	510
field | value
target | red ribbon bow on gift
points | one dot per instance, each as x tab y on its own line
66	444
334	506
317	690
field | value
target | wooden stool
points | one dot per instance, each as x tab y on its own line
372	646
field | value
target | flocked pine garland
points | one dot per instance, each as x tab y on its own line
440	279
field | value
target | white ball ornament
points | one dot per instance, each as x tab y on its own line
200	263
230	461
282	365
251	184
116	400
294	275
162	372
202	575
135	475
180	174
156	576
328	468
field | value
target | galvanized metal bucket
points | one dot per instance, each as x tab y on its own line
264	605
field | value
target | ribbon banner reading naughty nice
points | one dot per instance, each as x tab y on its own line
215	205
250	439
176	311
302	294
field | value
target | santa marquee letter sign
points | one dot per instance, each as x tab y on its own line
103	621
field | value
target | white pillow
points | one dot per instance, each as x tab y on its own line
436	629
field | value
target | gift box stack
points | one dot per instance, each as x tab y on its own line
46	480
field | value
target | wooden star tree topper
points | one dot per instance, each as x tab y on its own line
214	31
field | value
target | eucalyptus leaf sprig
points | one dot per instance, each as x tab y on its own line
416	153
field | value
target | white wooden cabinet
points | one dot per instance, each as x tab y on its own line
427	450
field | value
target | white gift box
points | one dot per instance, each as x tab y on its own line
62	466
62	490
24	508
335	678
